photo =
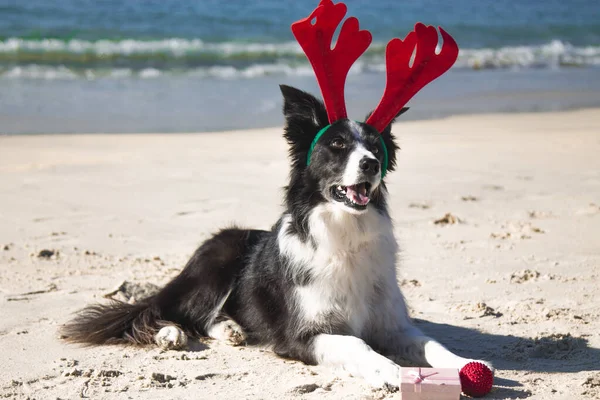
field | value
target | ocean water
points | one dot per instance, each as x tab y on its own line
181	65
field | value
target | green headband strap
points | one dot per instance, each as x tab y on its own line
322	131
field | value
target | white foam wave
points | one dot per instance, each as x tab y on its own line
253	71
175	47
218	72
553	54
147	73
39	72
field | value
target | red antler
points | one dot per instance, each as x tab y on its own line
331	66
404	81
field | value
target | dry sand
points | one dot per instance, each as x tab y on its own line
511	275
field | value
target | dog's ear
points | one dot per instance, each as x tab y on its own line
303	108
305	116
390	140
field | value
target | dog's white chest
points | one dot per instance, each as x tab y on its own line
342	292
349	258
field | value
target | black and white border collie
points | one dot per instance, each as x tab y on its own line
320	286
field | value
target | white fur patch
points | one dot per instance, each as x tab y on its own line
170	338
354	253
355	128
215	312
352	170
355	357
227	331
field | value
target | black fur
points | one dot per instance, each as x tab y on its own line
186	301
243	269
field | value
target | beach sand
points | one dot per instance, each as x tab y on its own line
513	277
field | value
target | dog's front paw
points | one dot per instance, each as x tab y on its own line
171	338
228	331
382	373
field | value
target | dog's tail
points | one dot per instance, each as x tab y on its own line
115	323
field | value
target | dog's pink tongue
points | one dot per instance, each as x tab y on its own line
358	194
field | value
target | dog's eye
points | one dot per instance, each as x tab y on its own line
337	144
375	150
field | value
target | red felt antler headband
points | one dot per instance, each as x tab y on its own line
404	79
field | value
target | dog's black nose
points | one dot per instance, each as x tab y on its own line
369	166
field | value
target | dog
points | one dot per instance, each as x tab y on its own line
319	287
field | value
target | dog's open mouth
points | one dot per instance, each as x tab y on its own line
354	196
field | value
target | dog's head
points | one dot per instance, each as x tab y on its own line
334	159
345	164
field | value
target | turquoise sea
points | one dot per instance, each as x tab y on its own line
178	65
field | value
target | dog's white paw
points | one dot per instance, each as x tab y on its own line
381	372
228	331
387	376
171	338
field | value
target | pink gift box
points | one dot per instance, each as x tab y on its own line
430	384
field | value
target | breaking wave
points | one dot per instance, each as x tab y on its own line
76	59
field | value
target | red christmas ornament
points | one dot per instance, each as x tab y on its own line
476	379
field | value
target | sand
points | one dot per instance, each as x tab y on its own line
498	217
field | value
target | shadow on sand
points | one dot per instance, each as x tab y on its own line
559	353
